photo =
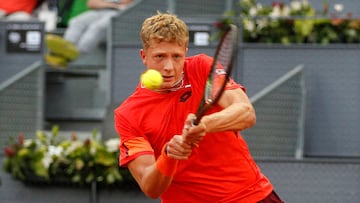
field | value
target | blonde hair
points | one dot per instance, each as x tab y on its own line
164	27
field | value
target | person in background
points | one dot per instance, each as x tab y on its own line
168	156
85	32
17	9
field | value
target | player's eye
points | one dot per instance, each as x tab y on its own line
177	57
158	57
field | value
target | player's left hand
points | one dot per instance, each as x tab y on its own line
193	134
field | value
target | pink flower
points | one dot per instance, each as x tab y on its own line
9	151
21	138
279	4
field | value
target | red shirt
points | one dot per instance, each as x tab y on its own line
11	6
220	170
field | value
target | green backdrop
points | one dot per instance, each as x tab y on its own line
69	9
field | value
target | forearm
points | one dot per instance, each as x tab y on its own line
153	177
154	183
100	4
236	117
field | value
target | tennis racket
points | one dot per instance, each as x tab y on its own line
220	71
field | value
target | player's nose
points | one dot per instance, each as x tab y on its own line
169	65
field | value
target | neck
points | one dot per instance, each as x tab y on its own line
176	86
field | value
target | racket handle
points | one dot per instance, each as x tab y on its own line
201	112
196	121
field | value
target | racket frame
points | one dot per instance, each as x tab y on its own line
206	104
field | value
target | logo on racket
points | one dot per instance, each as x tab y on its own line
220	72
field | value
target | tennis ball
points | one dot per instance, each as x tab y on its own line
151	79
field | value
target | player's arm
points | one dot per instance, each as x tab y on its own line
238	113
100	4
154	176
151	181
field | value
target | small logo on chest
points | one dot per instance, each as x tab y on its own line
185	96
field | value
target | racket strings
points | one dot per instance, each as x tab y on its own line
225	54
223	61
220	70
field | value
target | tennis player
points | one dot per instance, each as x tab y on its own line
169	157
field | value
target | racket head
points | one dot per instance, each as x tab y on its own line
220	71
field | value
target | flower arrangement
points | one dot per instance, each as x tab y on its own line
295	22
50	159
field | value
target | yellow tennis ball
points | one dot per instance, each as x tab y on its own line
151	79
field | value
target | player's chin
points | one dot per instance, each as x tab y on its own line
167	84
165	87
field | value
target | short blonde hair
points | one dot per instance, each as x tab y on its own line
164	27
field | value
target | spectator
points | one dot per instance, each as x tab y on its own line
86	31
168	156
17	9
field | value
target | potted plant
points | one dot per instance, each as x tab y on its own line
50	158
278	37
295	22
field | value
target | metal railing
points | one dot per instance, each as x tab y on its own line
21	103
280	107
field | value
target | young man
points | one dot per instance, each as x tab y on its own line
168	156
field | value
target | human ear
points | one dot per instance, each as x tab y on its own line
143	56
